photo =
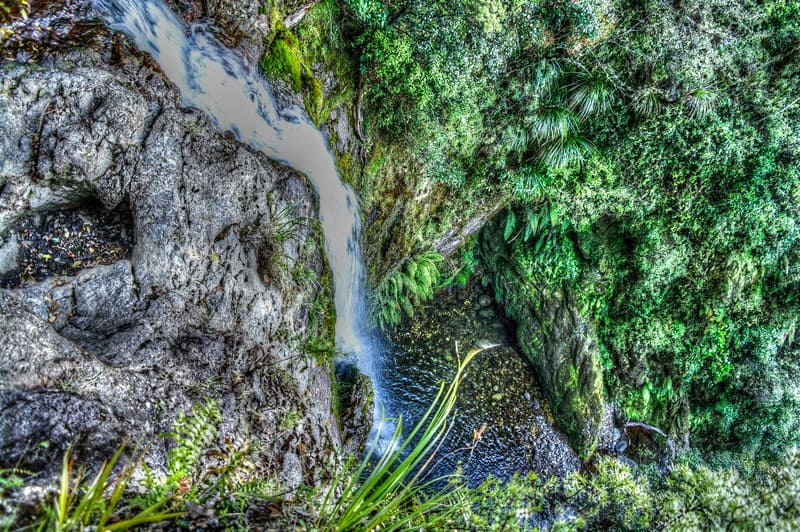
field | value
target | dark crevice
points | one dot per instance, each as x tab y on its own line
62	243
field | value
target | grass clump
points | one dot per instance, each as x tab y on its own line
395	493
99	503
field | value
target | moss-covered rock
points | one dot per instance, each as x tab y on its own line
554	336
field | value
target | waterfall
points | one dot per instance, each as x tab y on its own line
219	82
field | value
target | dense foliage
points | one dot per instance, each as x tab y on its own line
660	139
210	487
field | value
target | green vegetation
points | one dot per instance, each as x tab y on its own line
643	162
413	282
395	493
649	153
203	479
99	503
643	158
612	496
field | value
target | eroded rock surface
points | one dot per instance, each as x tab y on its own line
213	303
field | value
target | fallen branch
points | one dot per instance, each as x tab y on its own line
644	426
294	19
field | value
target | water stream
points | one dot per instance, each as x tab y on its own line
219	82
233	94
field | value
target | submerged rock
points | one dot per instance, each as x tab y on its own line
500	428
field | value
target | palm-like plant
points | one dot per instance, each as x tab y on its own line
562	153
543	77
700	102
590	95
552	123
647	102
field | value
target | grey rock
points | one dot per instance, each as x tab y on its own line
205	307
9	255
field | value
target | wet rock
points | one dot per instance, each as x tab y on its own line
356	400
559	343
201	309
242	21
292	474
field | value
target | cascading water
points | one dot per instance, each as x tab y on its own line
219	82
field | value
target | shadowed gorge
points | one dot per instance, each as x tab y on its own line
371	265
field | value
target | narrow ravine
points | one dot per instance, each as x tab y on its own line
219	82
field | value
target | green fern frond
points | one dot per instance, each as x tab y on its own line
424	276
430	256
412	288
193	433
411	268
408	308
510	225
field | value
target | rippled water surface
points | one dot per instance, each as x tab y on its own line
499	397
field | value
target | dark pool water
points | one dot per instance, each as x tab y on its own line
498	399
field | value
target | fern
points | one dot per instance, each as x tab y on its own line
193	433
409	285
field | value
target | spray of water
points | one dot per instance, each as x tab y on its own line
219	82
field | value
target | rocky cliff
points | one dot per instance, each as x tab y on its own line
215	298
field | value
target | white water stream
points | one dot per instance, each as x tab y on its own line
219	82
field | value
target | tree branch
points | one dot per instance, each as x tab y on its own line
295	18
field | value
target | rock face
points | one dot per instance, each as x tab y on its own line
560	344
213	303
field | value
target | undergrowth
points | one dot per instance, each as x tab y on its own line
400	291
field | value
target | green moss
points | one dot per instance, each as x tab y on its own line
314	99
283	60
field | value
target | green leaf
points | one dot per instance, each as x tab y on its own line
511	223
